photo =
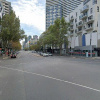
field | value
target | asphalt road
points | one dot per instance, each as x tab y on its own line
33	77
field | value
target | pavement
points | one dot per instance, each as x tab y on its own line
82	57
33	77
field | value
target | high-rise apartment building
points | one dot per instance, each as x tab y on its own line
58	9
6	6
1	10
35	37
84	34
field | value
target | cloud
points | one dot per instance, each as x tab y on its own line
31	13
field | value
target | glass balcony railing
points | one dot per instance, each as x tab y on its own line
72	18
79	30
84	16
80	24
85	8
89	28
71	23
90	19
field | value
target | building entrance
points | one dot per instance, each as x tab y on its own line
99	53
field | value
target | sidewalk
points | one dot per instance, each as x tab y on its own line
5	57
83	57
0	57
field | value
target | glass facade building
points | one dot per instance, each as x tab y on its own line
58	9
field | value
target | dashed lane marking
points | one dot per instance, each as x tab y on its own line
79	85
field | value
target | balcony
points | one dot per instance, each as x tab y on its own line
80	17
75	30
71	33
90	19
71	29
79	31
71	23
89	28
72	18
84	16
80	24
85	8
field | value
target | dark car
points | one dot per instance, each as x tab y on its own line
13	55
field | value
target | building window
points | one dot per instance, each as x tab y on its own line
86	1
84	27
85	20
97	8
94	2
91	11
97	24
76	14
76	20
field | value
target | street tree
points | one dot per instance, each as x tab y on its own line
50	38
10	29
16	45
61	29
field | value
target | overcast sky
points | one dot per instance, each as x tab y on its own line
31	14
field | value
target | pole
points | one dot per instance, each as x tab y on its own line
90	45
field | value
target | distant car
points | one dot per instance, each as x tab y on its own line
33	51
45	55
17	52
41	53
50	54
13	55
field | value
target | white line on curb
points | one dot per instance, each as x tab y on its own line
52	78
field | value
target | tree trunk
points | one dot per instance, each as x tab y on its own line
60	50
52	48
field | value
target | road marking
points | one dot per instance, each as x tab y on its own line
52	78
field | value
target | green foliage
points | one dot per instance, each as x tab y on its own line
36	47
16	46
26	49
56	34
10	29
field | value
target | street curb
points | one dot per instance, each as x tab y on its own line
86	57
6	58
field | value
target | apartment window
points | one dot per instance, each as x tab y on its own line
97	24
94	2
97	8
76	14
76	20
84	27
85	20
91	10
90	25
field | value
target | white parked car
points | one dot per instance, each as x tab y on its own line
45	55
49	54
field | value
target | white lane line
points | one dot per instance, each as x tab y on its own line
52	78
